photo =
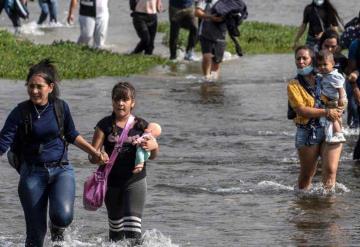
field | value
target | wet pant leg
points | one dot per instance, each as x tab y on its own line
53	9
174	34
125	208
101	27
145	26
188	22
44	6
174	31
87	28
61	201
152	26
37	186
33	193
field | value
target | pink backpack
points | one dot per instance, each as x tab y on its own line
95	185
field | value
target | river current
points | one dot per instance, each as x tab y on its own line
228	166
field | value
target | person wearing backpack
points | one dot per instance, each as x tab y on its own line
321	15
304	98
38	130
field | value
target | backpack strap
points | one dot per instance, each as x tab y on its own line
60	119
320	20
59	112
25	109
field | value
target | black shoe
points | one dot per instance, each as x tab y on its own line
57	233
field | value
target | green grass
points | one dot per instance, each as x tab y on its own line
255	37
72	60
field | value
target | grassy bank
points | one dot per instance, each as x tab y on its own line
255	37
73	61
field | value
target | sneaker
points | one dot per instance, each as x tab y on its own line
337	138
190	56
57	233
214	75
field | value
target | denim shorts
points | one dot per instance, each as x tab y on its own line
304	137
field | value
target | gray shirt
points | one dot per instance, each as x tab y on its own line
330	84
215	31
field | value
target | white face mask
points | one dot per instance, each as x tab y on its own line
319	2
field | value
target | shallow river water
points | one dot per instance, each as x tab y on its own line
228	166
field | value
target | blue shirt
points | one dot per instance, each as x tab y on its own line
353	49
42	129
181	4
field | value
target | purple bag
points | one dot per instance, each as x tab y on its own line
95	186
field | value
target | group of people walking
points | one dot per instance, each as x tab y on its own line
326	85
196	16
38	130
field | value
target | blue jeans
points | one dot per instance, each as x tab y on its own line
352	108
39	186
48	7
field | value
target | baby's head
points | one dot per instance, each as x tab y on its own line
325	62
154	129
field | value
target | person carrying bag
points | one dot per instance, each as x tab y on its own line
95	186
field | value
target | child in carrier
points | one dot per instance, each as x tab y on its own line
332	94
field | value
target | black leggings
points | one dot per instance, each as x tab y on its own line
145	26
125	207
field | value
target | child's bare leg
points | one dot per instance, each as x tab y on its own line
337	126
138	168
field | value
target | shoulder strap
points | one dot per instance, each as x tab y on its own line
59	112
25	110
119	144
305	85
320	20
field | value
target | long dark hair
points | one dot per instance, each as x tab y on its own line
329	34
331	12
47	70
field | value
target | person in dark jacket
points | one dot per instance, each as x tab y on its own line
46	175
181	15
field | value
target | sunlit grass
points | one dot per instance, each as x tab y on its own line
72	60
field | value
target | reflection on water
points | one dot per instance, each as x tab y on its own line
317	220
212	93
